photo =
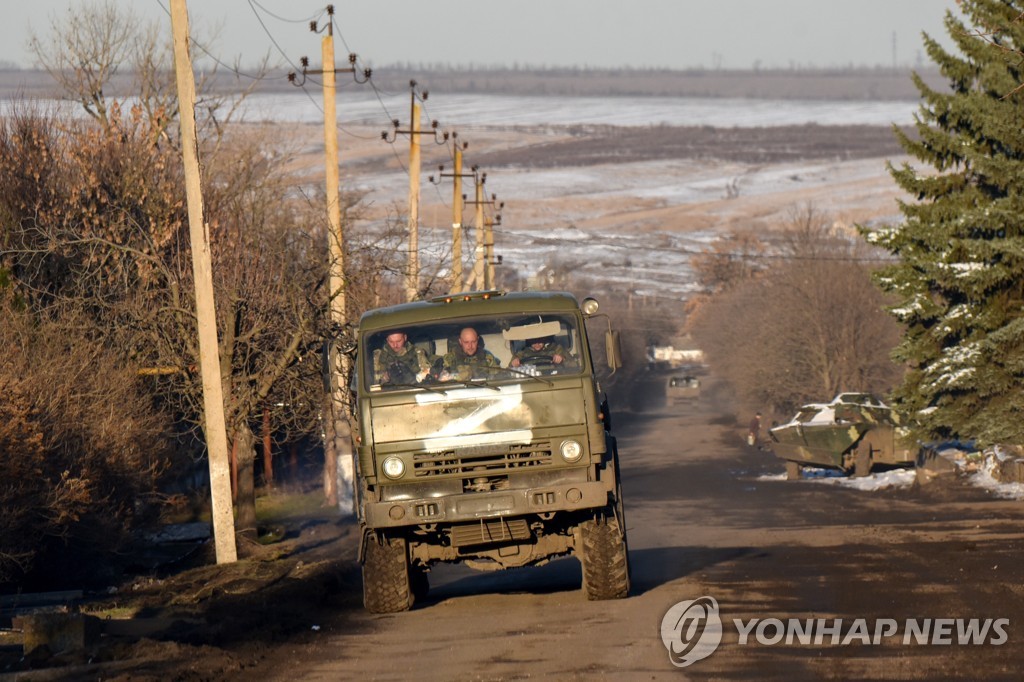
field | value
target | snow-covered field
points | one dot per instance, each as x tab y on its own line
632	225
468	112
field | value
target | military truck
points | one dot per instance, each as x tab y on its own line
851	433
495	468
681	388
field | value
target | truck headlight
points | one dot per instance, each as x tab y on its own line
571	450
393	467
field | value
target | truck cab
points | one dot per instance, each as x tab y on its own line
496	459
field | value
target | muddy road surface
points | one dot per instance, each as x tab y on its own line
709	516
812	581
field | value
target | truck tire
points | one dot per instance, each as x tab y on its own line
604	557
386	587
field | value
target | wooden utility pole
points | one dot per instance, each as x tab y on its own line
202	268
479	254
457	222
489	224
336	253
412	277
412	284
458	198
483	258
339	468
335	237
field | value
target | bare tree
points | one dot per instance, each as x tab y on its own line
804	328
108	54
728	261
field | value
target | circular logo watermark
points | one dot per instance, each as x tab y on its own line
691	630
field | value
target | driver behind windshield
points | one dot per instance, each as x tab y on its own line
399	362
545	351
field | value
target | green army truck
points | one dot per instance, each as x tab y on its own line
506	464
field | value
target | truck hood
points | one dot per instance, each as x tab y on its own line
510	413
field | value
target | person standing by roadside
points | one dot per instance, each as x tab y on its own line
754	432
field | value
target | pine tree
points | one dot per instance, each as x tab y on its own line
959	275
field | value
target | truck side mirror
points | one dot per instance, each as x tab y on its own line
612	350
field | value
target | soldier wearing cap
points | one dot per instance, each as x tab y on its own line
545	350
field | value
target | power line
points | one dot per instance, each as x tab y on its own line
217	60
315	17
252	6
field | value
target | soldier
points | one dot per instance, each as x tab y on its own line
545	350
463	361
399	362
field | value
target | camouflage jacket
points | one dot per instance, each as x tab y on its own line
464	367
528	355
408	367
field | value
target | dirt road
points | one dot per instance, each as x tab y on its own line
707	516
702	521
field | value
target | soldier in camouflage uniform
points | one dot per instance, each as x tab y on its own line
399	362
545	350
465	360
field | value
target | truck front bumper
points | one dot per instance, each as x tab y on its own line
482	505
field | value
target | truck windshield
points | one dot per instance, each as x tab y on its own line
472	350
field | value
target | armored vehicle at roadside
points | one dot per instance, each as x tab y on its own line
477	461
851	434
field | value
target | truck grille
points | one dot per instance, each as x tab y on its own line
474	461
484	532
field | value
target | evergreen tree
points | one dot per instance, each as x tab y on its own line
960	247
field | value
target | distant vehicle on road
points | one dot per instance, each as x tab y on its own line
852	433
681	388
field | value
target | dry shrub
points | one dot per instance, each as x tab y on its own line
80	447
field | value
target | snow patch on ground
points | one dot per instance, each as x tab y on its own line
897	478
985	478
976	468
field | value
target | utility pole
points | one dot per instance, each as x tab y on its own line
489	260
457	198
478	224
483	260
338	445
412	284
206	316
412	278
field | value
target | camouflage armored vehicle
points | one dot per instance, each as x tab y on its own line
467	458
851	434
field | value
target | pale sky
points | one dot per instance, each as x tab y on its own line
729	34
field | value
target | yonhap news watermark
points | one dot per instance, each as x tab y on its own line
692	630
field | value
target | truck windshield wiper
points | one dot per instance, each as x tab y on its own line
426	387
475	383
529	374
